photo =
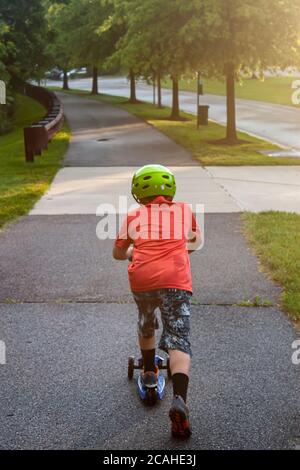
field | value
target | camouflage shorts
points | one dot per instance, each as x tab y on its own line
175	308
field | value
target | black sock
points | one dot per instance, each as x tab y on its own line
149	360
180	385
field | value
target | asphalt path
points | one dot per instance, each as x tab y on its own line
65	386
59	258
274	122
69	323
102	136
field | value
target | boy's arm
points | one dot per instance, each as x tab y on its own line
122	254
123	248
195	237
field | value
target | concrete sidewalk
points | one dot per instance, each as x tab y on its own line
69	322
220	189
258	189
82	190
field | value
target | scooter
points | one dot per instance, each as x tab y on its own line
148	395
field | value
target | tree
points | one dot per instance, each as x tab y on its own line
4	76
20	36
23	36
118	22
79	38
241	34
151	44
60	47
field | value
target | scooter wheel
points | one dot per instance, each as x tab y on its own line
152	396
159	363
130	368
169	368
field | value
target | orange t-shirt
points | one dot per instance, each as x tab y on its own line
159	232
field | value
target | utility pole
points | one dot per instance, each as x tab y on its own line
199	93
198	97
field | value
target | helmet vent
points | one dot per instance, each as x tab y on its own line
169	185
146	178
166	177
146	187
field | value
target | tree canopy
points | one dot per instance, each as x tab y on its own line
241	35
23	37
150	38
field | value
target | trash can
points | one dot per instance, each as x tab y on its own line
203	115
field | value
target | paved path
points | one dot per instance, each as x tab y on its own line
68	322
273	122
106	137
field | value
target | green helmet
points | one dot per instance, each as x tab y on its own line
153	180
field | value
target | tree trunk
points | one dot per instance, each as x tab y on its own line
159	105
95	81
132	88
154	89
66	81
231	136
175	99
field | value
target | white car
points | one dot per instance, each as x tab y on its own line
75	72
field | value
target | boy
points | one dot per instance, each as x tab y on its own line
156	238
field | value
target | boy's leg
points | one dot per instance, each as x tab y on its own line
180	362
180	368
176	308
147	303
147	346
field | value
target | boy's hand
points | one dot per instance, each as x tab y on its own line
130	253
194	242
123	254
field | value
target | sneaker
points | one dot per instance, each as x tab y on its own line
179	415
150	379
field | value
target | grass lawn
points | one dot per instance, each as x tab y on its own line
273	90
197	142
275	237
22	184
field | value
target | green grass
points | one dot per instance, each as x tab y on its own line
275	237
22	184
254	303
198	142
276	90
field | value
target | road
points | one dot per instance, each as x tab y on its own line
69	324
278	123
